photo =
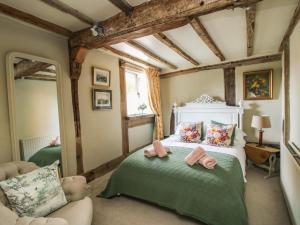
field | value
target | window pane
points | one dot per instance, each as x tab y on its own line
137	93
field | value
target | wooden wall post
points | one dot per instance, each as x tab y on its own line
229	85
77	56
124	121
286	130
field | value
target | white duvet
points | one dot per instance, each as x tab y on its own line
237	150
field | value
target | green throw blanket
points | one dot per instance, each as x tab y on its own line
215	197
46	156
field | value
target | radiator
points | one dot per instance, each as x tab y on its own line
30	146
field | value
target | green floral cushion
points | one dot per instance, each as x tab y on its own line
35	194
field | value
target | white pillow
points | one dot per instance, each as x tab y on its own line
239	138
35	194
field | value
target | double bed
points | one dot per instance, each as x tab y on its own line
215	197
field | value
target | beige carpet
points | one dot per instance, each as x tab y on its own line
264	201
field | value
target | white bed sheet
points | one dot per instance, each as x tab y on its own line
237	150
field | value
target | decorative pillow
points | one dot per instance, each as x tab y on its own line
35	194
223	124
218	135
190	132
54	142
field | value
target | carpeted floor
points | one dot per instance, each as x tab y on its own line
264	199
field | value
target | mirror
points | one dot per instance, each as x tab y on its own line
35	108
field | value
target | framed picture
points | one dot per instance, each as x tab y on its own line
101	77
258	85
102	99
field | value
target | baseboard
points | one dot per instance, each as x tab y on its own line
108	166
292	218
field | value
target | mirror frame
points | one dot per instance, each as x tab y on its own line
12	107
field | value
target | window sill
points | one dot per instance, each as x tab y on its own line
138	120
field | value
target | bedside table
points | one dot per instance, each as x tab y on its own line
259	155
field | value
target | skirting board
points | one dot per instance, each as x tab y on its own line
292	218
108	166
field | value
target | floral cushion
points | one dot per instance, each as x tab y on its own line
190	132
219	135
35	194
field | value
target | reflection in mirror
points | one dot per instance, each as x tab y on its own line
37	116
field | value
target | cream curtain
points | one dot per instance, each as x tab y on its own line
155	101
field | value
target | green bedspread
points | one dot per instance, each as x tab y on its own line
46	156
215	197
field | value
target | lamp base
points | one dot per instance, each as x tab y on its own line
260	140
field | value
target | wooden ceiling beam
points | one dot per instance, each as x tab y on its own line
151	54
165	40
250	22
125	55
152	17
123	5
28	18
28	67
206	38
224	65
291	27
69	10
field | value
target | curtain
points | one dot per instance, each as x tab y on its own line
155	101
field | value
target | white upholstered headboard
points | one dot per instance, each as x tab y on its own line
206	109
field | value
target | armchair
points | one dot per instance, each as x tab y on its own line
78	211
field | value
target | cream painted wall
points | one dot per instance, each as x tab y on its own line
182	89
36	108
262	107
16	36
289	168
100	129
185	88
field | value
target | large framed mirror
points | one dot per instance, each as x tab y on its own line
34	86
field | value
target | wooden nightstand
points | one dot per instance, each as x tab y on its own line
259	155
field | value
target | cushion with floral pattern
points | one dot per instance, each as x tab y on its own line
219	135
190	132
35	194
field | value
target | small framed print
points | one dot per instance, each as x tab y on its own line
258	85
102	99
101	77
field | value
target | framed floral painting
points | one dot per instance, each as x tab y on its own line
258	85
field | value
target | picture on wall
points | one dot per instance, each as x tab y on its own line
258	85
101	77
102	99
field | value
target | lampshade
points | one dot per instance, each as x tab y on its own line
261	122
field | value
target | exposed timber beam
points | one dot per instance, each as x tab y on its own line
77	56
151	54
291	27
206	38
123	5
69	10
152	17
229	86
28	18
165	40
223	65
28	68
125	55
250	21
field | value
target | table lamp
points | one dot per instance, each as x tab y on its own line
261	122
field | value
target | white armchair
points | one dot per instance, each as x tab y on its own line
78	211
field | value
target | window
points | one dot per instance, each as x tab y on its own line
137	93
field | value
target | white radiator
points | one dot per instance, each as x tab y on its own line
30	146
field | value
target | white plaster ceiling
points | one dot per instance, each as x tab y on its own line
227	28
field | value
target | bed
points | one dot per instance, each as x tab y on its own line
215	197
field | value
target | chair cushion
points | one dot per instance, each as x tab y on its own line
76	213
35	194
12	169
